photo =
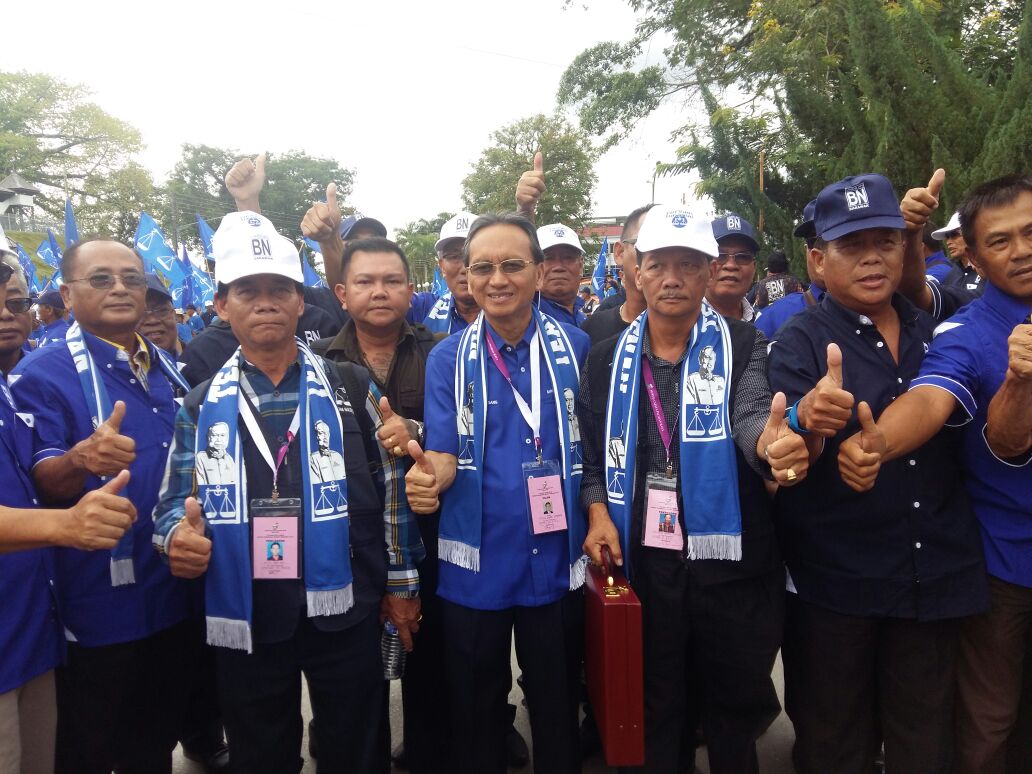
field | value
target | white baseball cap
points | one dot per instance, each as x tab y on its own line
247	244
5	244
558	234
456	228
953	225
674	226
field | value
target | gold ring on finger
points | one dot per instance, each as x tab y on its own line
790	474
397	451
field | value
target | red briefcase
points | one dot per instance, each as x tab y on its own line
613	663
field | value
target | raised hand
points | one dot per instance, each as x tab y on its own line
100	518
1019	352
322	221
106	451
784	450
827	408
189	550
531	187
919	203
859	456
421	485
396	431
245	181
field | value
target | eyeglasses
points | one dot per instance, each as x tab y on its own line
452	256
741	259
5	273
508	266
563	258
103	281
18	305
158	312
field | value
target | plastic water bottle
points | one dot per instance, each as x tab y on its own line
393	652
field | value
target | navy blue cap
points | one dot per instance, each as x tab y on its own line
360	222
52	298
734	225
856	203
806	230
154	283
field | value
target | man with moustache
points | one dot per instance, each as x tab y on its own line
732	272
457	308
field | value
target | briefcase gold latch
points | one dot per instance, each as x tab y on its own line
613	590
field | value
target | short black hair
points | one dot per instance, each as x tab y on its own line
633	218
995	193
504	219
69	256
191	306
926	236
372	245
777	262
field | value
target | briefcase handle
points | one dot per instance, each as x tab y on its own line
614	587
607	565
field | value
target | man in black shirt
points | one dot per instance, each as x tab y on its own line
879	580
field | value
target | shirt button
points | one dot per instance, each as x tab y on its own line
275	393
109	365
165	444
534	552
526	440
508	349
132	381
917	545
523	370
881	343
858	330
899	380
154	410
917	504
912	463
35	501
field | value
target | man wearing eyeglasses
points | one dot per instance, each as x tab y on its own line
564	264
158	323
731	274
105	400
15	322
494	415
456	309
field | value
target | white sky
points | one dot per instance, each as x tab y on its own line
407	93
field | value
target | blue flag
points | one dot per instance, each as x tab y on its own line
49	252
206	234
598	278
203	287
439	287
28	268
312	279
71	227
158	255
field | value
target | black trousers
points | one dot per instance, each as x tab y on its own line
260	694
121	706
708	652
202	724
548	644
853	682
424	686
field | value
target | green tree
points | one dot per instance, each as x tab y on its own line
569	159
417	239
811	92
57	139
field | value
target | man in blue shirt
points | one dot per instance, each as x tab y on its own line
564	264
504	562
457	308
103	400
51	312
886	575
977	375
193	319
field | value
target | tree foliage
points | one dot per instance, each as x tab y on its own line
417	239
814	91
569	162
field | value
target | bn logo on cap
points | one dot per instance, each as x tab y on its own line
856	197
559	232
734	223
679	220
254	222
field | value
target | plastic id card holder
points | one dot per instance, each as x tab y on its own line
661	527
544	496
276	538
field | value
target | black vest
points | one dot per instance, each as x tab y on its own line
279	605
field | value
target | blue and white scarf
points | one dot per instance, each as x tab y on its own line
709	469
462	518
325	531
122	572
439	320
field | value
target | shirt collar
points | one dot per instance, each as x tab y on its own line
346	342
817	291
908	313
142	355
748	312
501	343
1005	305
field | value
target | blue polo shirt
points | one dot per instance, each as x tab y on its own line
420	307
185	332
94	612
517	568
770	319
938	266
456	322
968	359
196	323
53	333
30	635
560	313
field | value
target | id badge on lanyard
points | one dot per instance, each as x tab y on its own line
276	538
543	478
661	522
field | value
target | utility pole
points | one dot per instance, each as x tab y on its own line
175	222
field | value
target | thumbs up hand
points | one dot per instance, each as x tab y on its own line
421	485
106	451
919	203
322	221
827	408
396	431
859	457
189	551
531	187
100	518
245	181
783	449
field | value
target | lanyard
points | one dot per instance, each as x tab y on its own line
531	414
657	412
259	437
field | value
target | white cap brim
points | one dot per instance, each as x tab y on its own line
674	226
953	225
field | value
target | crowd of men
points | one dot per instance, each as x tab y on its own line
840	473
